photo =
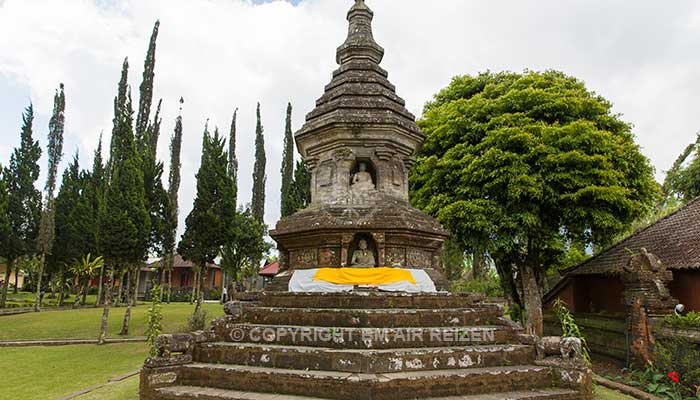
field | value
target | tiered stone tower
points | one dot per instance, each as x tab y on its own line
362	345
360	142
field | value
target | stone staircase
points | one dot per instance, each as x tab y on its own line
362	346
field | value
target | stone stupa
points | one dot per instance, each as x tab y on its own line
362	345
359	143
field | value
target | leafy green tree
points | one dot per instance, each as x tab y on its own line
83	270
300	192
47	226
244	245
207	224
259	178
287	170
170	233
524	166
24	200
124	219
683	179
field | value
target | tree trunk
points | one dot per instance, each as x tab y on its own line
200	289
86	287
40	273
107	305
479	266
6	283
122	277
223	285
130	299
170	283
16	289
98	301
195	285
532	299
61	288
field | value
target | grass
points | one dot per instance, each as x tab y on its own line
52	372
127	389
85	323
601	393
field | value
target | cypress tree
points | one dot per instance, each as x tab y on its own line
67	246
169	238
4	219
47	227
232	160
146	91
96	197
287	170
300	192
24	200
124	219
259	178
207	224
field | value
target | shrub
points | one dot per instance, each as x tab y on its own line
489	286
569	328
213	294
154	324
690	320
680	355
198	320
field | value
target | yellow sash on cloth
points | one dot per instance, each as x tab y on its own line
363	276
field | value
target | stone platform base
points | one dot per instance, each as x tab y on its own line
362	346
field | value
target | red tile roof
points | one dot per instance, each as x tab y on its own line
270	269
674	239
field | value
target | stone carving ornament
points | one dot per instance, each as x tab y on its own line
362	180
363	257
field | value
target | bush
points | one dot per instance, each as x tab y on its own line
690	320
154	325
679	355
213	294
569	328
491	286
198	320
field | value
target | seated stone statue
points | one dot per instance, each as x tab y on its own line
362	258
362	180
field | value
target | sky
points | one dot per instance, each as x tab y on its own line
220	55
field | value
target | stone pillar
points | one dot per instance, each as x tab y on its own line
344	248
379	240
646	297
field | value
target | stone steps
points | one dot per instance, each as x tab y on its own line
364	361
352	386
363	338
482	314
362	300
204	393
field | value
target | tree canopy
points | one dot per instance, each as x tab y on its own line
683	179
526	165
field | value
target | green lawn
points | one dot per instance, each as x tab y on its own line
601	393
85	323
50	372
127	389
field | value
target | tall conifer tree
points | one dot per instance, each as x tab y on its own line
287	170
232	159
24	200
300	192
208	222
4	219
146	91
259	178
124	219
47	226
97	185
174	178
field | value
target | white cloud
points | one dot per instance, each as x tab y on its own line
223	54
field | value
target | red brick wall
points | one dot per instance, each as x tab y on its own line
686	288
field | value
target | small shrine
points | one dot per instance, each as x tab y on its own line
360	142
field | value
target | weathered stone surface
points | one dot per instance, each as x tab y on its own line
360	142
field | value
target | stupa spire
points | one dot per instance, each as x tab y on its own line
360	43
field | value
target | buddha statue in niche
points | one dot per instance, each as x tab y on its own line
362	257
362	180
